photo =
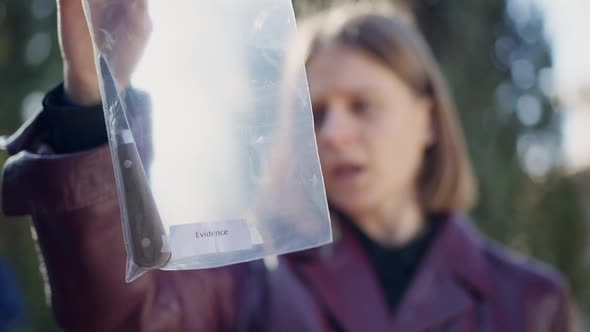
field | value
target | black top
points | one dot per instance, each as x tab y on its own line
396	266
74	128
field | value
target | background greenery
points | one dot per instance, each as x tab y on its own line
498	64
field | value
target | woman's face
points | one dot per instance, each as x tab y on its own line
371	129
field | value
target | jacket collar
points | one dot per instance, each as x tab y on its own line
464	252
346	285
451	272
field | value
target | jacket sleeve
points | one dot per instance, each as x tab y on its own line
73	202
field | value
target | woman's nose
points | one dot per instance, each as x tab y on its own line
337	129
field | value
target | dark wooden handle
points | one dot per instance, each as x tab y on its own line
147	234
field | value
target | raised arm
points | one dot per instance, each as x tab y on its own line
60	172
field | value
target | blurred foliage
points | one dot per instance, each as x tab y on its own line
489	55
29	64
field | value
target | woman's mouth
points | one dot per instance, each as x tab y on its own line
346	173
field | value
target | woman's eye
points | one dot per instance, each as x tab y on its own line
361	106
319	114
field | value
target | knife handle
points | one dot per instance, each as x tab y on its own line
146	232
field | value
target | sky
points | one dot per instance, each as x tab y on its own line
567	26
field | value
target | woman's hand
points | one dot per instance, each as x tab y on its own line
121	29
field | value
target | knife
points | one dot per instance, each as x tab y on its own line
145	233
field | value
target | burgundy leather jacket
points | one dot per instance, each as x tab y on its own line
464	282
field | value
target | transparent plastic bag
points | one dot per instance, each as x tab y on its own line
229	170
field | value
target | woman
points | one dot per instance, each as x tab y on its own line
397	179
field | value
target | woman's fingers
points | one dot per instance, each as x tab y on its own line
121	29
80	79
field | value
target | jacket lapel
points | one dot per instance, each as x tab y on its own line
347	287
433	298
452	270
